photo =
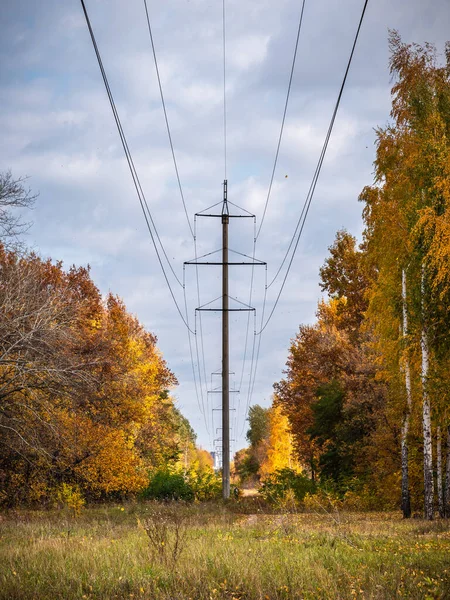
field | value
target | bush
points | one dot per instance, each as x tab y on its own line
322	501
70	497
165	485
168	485
206	485
286	482
167	531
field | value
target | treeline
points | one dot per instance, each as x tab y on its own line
366	388
85	404
271	447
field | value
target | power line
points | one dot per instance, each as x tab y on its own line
290	243
134	175
224	90
301	220
166	118
199	367
152	227
252	378
200	326
136	179
283	119
248	325
143	203
201	405
310	195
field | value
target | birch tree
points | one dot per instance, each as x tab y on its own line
447	477
426	413
440	491
406	498
405	213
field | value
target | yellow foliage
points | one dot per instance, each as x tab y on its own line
114	465
70	496
279	451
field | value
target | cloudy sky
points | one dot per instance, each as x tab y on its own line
57	128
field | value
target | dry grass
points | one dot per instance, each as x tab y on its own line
105	554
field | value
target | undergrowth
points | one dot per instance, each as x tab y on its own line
213	551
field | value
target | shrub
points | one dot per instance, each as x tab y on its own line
166	530
166	485
206	485
69	496
323	500
286	482
364	498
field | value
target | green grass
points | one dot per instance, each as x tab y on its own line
105	554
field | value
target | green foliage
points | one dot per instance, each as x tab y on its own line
166	485
284	482
327	411
336	432
259	424
205	485
246	464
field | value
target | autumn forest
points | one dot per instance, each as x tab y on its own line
362	407
359	422
363	402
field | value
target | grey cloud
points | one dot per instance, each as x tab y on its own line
57	127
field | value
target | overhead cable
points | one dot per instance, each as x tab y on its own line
300	223
248	326
224	90
166	118
283	119
201	404
254	362
141	196
202	346
307	204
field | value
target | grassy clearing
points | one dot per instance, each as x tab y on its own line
106	554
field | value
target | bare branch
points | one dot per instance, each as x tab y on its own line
13	195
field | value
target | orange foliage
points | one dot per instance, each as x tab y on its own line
83	385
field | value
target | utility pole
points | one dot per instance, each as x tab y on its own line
225	352
225	309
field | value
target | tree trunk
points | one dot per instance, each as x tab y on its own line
426	417
406	500
439	472
447	477
289	451
313	472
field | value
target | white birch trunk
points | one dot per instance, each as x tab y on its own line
426	415
439	471
406	501
447	477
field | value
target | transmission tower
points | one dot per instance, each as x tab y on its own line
225	309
